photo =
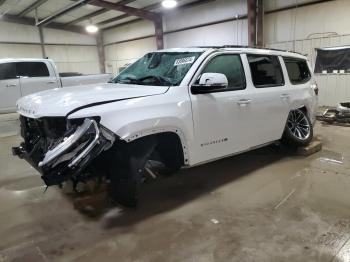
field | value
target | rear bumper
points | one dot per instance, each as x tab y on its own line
71	156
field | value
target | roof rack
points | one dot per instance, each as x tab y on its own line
245	46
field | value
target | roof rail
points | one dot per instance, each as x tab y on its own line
245	46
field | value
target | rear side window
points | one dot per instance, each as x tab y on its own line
266	71
231	67
32	69
7	71
298	70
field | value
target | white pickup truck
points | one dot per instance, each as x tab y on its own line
170	109
21	77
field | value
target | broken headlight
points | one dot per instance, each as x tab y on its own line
74	151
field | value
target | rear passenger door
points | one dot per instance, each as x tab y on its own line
270	100
300	82
35	77
9	87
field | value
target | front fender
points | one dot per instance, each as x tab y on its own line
135	118
140	129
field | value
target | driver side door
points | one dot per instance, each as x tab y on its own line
219	119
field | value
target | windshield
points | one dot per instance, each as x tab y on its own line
158	69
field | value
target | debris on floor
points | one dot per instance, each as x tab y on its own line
214	221
340	114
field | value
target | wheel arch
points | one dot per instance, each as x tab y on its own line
178	135
305	109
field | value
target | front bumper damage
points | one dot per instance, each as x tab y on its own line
65	155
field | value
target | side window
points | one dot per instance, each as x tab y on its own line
32	69
7	71
298	70
266	70
231	67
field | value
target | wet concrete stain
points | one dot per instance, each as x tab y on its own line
265	205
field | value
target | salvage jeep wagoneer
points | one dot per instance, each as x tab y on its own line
178	108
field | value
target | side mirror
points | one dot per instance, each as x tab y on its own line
210	82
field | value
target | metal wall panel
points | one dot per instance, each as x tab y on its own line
20	51
82	59
117	55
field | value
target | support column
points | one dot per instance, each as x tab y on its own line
260	23
158	25
101	52
41	35
251	6
42	42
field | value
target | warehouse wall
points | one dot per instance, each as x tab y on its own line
307	28
127	43
178	33
72	52
220	33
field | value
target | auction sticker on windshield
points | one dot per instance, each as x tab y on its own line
184	61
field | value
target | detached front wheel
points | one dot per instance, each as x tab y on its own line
298	130
127	173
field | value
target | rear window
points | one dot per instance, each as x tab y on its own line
32	69
266	70
298	70
7	71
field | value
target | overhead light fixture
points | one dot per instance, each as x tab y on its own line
91	29
169	3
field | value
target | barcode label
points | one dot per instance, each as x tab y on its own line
184	61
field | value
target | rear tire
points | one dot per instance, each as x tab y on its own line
298	130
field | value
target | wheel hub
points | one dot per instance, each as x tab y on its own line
299	125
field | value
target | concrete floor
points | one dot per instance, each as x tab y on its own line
265	205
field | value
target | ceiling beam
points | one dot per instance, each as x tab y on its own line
126	9
113	19
120	17
63	11
149	7
31	21
297	6
123	23
31	7
96	13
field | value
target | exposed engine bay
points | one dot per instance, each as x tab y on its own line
62	149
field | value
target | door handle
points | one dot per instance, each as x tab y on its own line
10	85
51	82
244	102
285	96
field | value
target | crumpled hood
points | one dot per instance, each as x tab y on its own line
61	101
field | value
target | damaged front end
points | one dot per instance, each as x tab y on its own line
62	149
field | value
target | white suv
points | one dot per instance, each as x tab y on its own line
171	108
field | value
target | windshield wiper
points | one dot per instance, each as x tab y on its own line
151	79
129	80
155	79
